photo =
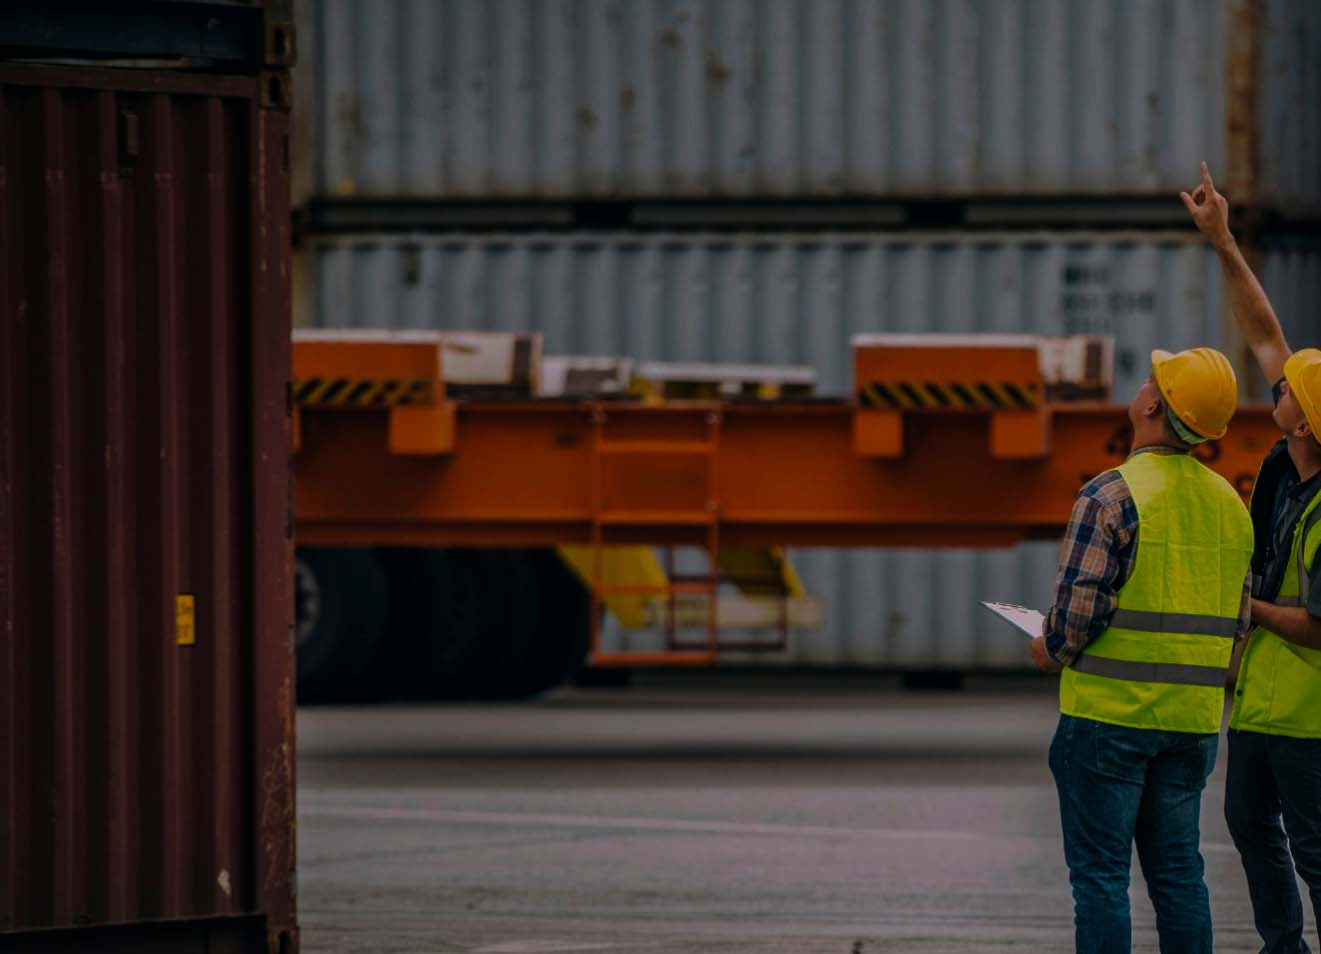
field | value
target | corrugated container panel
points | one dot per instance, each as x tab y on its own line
775	297
729	98
1289	88
795	298
1291	274
146	710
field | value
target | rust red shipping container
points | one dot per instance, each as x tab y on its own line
146	677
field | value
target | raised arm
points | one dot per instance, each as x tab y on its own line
1247	299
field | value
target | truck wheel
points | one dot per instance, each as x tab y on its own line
340	610
571	616
511	622
436	605
559	643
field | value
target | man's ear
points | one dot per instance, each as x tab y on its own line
1302	428
1155	408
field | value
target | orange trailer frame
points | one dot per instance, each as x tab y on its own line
820	473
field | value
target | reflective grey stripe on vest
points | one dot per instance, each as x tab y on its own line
1191	624
1180	674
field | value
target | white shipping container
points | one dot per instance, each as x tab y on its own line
798	299
814	98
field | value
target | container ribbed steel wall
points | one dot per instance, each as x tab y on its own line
798	298
146	763
784	98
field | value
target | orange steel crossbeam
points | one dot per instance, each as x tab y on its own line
948	442
533	474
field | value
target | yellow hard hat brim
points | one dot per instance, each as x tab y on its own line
1293	373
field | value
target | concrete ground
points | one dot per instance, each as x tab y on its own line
845	820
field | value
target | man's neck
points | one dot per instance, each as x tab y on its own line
1305	453
1163	443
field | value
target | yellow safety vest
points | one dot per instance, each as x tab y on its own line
1163	660
1279	683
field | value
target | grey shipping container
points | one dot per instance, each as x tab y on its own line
798	298
806	98
146	663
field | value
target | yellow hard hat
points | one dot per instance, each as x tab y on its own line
1200	388
1303	372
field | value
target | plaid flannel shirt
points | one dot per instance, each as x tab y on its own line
1100	547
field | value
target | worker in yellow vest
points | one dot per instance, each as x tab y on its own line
1151	595
1273	788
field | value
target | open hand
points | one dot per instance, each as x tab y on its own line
1209	209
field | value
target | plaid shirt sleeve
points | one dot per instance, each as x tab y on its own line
1096	560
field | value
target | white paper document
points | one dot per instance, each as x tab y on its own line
1028	620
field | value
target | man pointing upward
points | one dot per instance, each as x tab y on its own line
1273	785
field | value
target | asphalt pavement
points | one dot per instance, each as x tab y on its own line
846	820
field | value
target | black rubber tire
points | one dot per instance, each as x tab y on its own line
511	610
340	606
437	603
558	647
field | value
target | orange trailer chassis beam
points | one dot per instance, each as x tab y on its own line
815	474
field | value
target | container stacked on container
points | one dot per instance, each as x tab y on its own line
146	678
739	180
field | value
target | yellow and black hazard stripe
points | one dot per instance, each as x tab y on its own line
950	395
361	392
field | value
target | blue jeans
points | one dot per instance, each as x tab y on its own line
1117	786
1274	788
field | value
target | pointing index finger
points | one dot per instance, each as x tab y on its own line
1206	178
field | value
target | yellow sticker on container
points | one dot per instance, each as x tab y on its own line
185	620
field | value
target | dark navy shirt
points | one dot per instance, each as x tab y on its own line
1278	501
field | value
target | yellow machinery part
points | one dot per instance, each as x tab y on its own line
760	571
620	566
756	571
